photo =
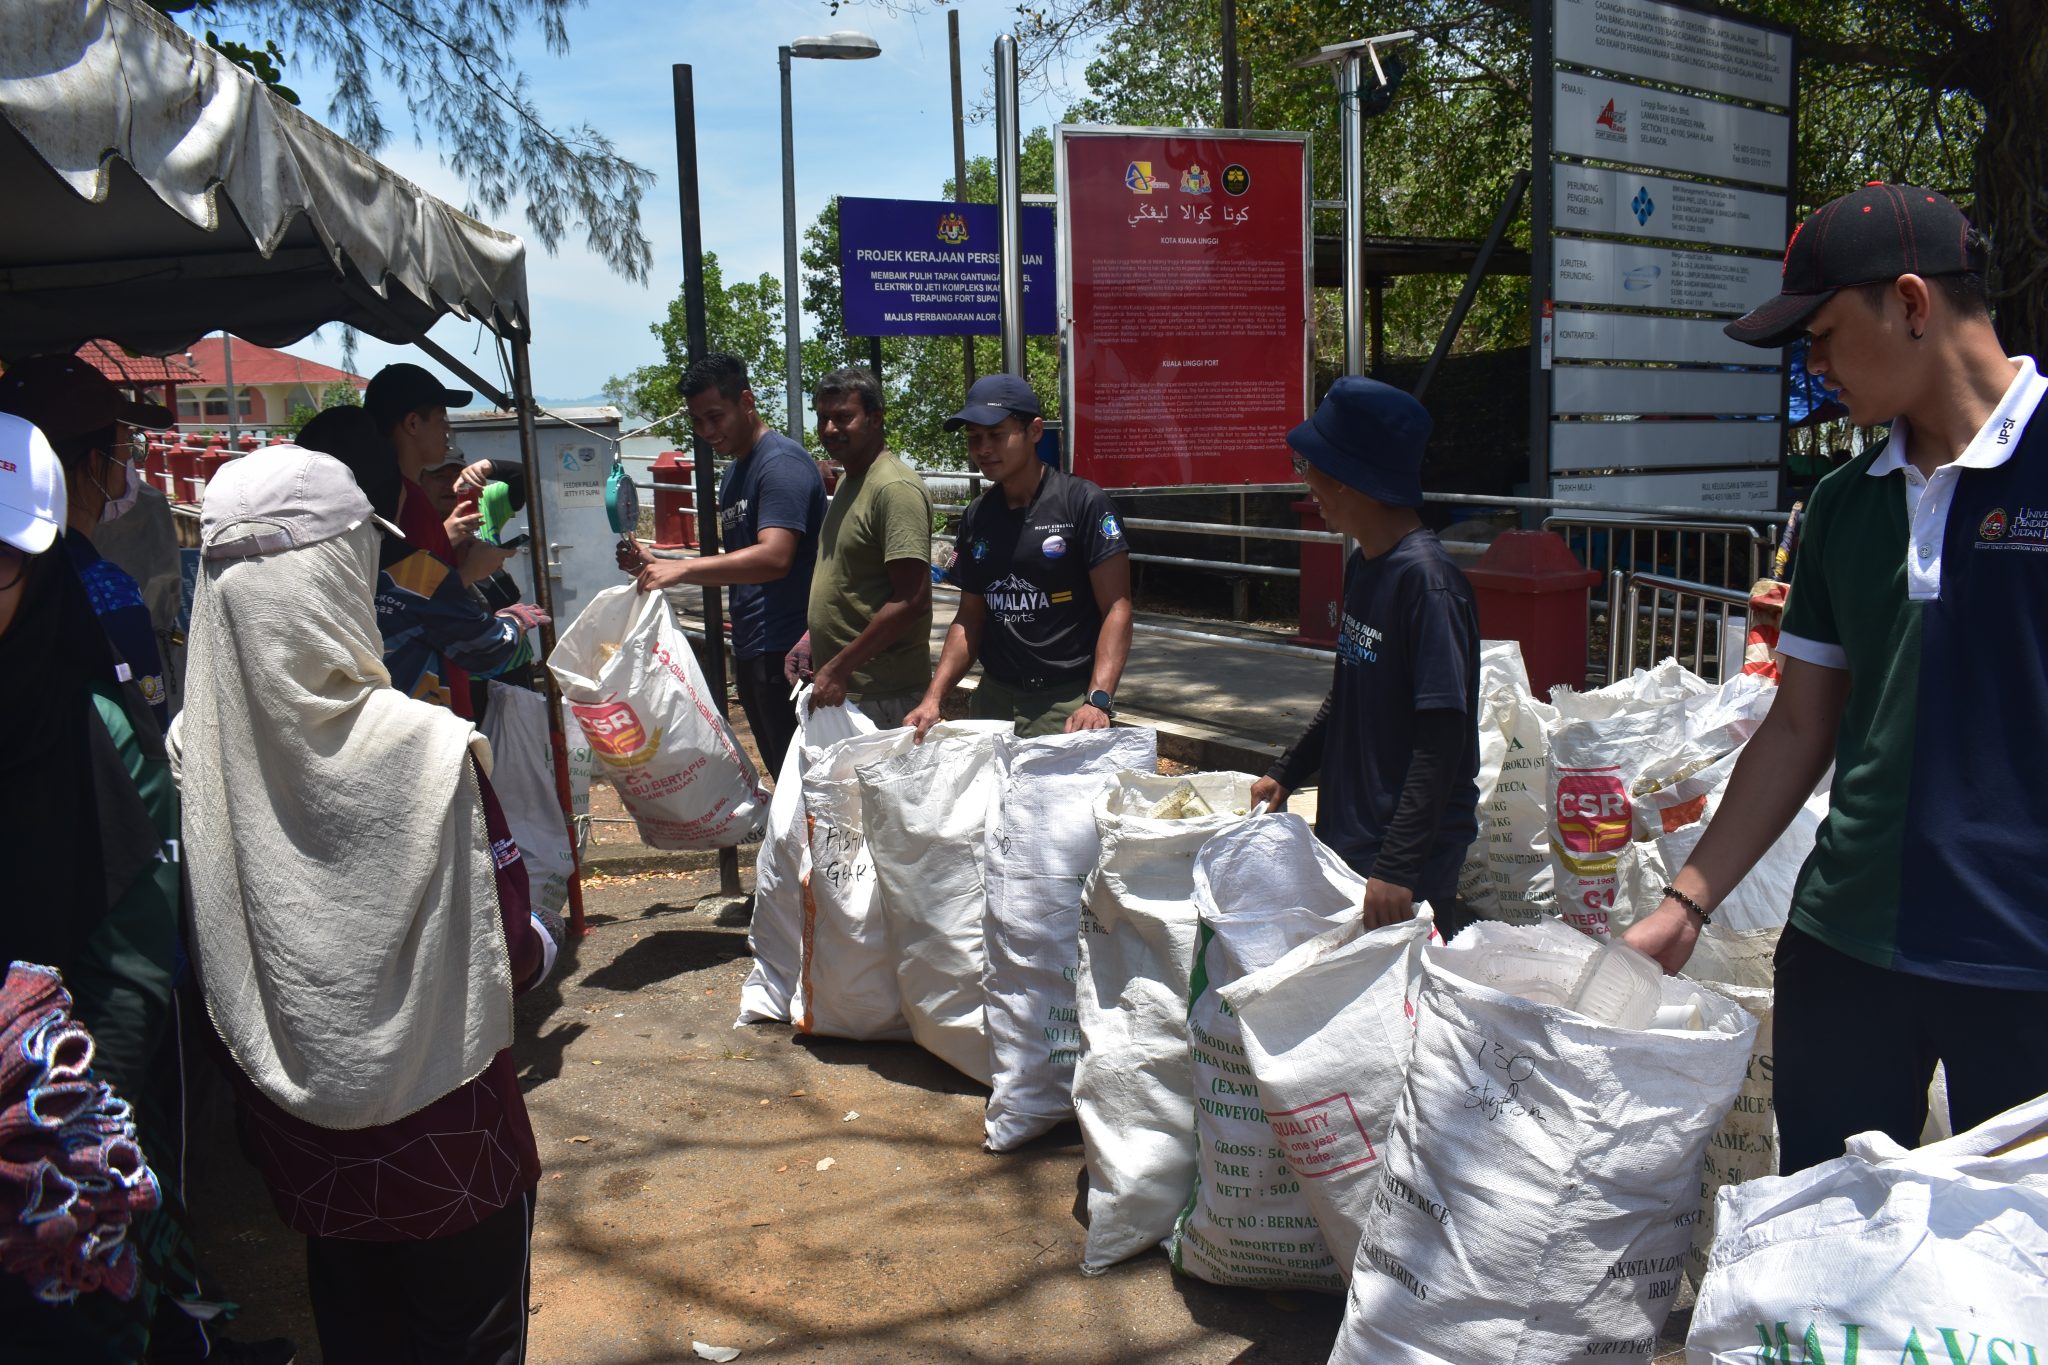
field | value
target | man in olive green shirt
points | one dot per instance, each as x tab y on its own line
870	614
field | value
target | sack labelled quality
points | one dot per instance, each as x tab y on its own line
1541	1182
1133	1087
1041	846
633	685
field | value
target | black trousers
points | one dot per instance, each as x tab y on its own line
764	696
457	1300
1856	1046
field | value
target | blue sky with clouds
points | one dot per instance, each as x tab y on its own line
880	127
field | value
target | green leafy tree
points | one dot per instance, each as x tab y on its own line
450	63
339	394
744	318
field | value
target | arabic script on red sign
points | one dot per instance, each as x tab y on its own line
1189	341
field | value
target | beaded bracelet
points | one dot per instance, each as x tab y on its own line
1673	893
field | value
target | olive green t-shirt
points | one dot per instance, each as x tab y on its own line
877	516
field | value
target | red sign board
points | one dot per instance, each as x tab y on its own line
1185	274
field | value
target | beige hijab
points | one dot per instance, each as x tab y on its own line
345	909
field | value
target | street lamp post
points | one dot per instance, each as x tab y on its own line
845	45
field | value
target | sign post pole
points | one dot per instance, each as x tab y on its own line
1010	200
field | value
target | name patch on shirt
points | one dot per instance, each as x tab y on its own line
2024	529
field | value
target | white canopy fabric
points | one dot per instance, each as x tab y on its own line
157	192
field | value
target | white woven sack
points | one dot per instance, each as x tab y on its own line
1133	1090
1507	874
633	684
1042	845
1327	1031
1262	888
523	776
925	809
1541	1182
775	935
1885	1255
846	987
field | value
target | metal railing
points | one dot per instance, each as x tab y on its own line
1640	633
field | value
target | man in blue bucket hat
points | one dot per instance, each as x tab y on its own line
1397	740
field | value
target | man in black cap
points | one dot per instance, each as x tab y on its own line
1397	739
1044	577
1915	661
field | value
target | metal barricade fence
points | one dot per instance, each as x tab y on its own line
1698	622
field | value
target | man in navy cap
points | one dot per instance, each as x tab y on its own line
1397	739
1044	578
1915	662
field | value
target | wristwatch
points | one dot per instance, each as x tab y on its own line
1100	700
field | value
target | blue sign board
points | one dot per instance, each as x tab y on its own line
914	267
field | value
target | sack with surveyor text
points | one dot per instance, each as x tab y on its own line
634	686
1133	1089
925	809
1609	749
846	987
775	935
1042	845
1507	874
1327	1030
1938	1254
1541	1182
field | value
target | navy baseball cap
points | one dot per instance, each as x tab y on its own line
1870	237
1370	436
994	397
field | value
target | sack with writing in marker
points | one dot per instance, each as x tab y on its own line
925	810
1042	844
1507	874
775	935
1884	1255
1133	1090
1542	1179
846	987
634	686
1326	1033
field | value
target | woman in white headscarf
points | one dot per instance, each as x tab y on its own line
359	924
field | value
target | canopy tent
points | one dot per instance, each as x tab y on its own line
159	192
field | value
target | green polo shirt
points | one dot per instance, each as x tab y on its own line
877	516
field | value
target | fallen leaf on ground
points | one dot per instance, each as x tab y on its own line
764	1101
715	1352
827	1164
795	1093
778	1170
579	1138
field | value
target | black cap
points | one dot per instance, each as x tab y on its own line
994	397
399	389
1870	237
64	396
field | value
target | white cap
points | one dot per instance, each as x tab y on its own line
280	498
32	505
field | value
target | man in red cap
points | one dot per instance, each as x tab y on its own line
1397	739
1916	663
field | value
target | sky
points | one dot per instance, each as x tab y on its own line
880	127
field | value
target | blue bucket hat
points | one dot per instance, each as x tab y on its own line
1369	436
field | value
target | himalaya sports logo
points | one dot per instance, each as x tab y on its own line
1013	599
1849	1343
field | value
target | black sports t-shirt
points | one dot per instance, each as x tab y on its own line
1409	642
1030	565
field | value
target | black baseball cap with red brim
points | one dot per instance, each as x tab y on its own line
1870	237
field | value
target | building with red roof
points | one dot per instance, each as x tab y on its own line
268	383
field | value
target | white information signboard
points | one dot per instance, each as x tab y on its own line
1617	121
1661	445
1582	335
1628	203
1703	488
1630	276
1661	42
1617	391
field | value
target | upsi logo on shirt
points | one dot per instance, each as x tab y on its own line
1013	599
1358	642
2026	529
1993	525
